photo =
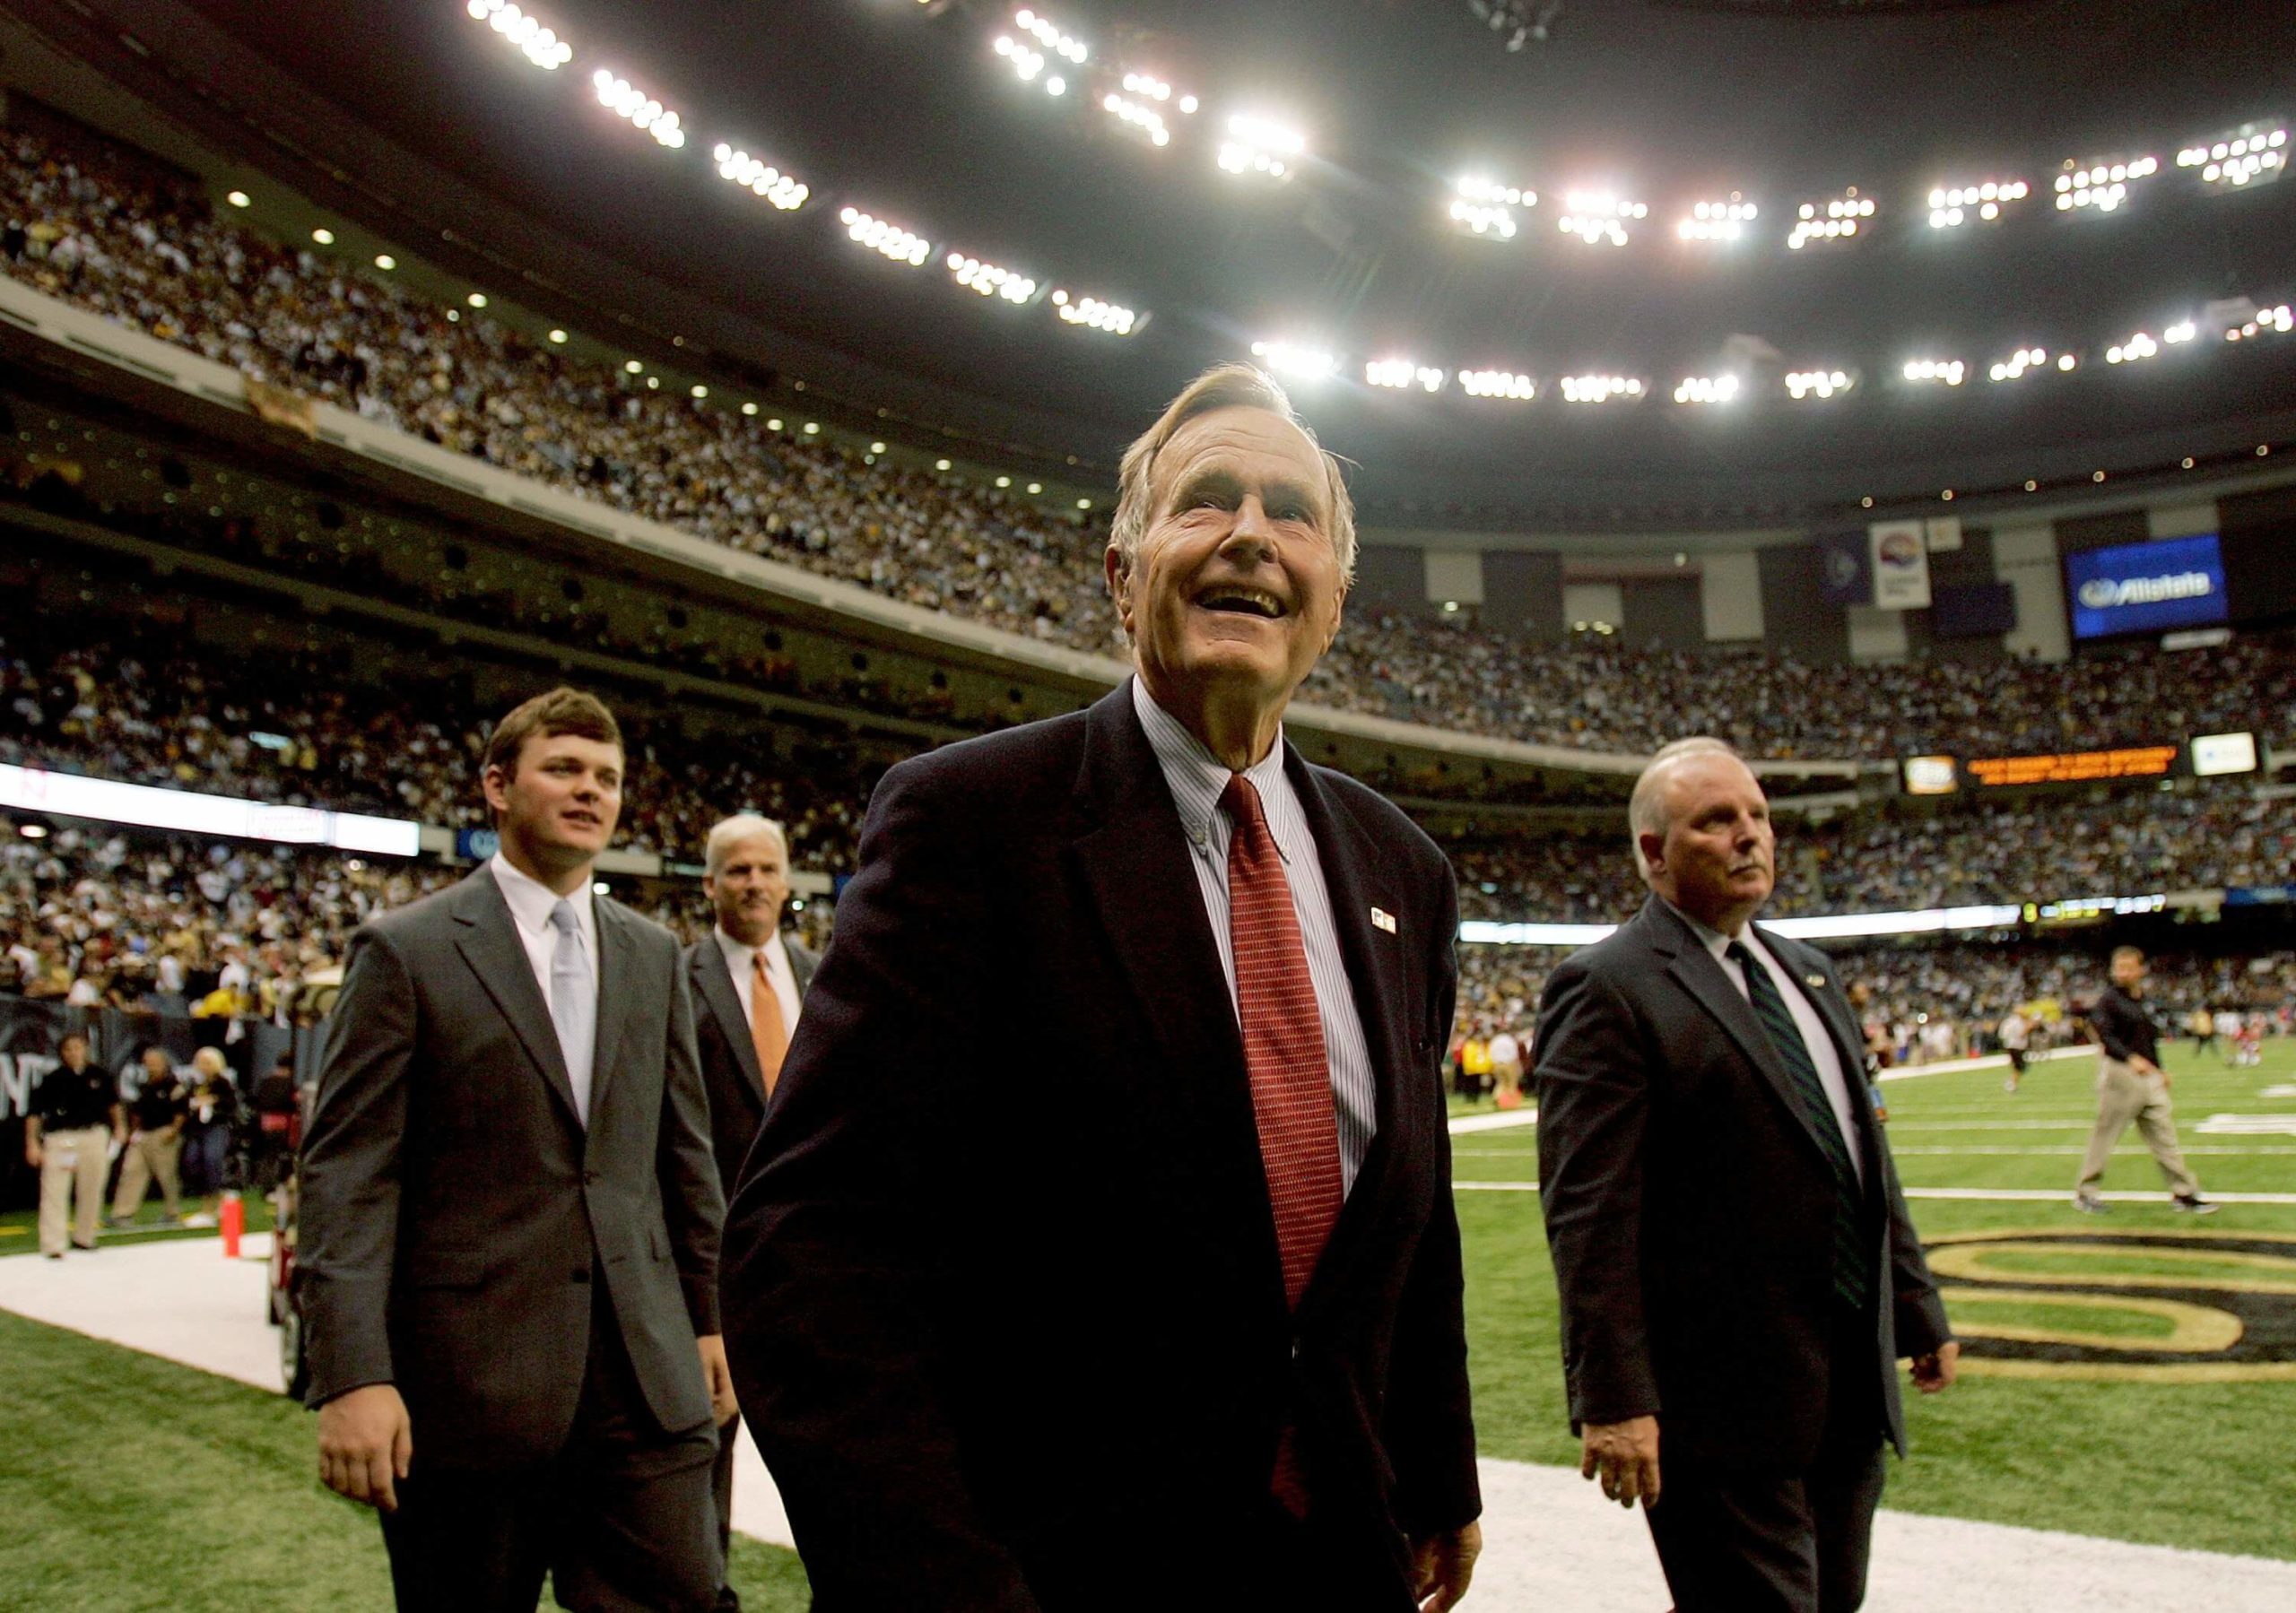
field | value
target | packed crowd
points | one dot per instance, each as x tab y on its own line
87	231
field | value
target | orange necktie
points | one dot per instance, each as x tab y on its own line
768	1034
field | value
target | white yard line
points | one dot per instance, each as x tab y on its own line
1506	1120
2005	1195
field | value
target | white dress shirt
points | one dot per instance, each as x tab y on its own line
531	902
1822	1051
1198	778
740	964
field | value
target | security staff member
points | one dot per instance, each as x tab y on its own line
74	1112
2131	1085
161	1108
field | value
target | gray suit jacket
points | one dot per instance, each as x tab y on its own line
729	1071
455	1211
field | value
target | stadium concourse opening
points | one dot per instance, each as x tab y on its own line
1945	482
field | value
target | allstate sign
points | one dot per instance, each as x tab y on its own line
2146	588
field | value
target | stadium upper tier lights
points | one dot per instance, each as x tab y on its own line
1094	313
1707	389
2015	366
891	239
1480	207
990	281
1256	146
1599	388
783	190
1953	207
536	43
1497	384
2249	155
1137	115
1599	217
1830	219
1066	47
2101	186
1717	220
641	108
2266	322
1816	383
1948	372
1294	359
2134	350
1404	374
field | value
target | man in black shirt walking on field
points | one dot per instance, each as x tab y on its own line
2131	1085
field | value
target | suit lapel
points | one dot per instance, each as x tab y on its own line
1833	1008
801	967
617	982
713	976
1695	969
489	943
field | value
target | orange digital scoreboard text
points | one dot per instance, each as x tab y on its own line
2078	766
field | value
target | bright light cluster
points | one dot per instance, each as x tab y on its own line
1294	359
541	47
1705	389
2267	320
1952	207
783	190
1816	383
1149	85
1042	31
640	108
2014	367
1256	146
2251	151
1947	371
1135	115
893	241
1497	384
1717	220
1094	314
1835	219
2102	185
1029	65
1599	218
1481	207
1404	373
2136	349
1599	389
990	281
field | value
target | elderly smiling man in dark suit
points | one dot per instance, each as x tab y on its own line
1098	1252
1737	1269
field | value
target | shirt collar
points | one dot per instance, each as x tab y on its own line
1198	778
531	901
1713	940
738	956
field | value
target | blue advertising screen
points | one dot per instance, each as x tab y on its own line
2146	587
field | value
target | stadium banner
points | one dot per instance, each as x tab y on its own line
190	811
2073	768
1931	775
1898	551
2146	588
2216	754
1844	568
30	1031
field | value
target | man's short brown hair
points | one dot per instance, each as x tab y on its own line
563	710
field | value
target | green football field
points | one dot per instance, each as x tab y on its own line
133	1483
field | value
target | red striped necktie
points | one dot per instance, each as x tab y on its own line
1283	1058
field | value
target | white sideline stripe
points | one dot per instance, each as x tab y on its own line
1506	1121
2033	1153
1550	1538
1991	1060
2005	1195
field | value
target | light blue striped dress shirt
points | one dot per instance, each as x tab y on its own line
1198	778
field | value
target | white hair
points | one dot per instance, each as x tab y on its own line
1645	813
732	831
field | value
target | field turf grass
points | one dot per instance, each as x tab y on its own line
2198	1464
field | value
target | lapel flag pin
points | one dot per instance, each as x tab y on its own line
1816	981
1381	919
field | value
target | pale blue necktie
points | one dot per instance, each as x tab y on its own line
573	1004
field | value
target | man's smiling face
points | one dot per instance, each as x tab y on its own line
1236	585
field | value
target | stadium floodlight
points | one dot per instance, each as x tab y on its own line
1802	384
1724	220
784	191
1138	115
641	108
2136	350
891	239
1951	206
1097	314
1945	372
1482	208
1707	389
2261	322
1600	388
2248	155
990	281
1402	373
2019	364
1299	359
1254	145
1600	217
238	198
1504	384
536	43
1045	32
2101	186
1830	219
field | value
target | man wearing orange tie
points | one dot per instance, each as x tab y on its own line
748	978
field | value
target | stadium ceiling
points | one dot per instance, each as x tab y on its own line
897	116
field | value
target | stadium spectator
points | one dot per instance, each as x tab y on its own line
211	1129
75	1117
2131	1086
157	1114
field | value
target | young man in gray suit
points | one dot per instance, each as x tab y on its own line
510	1218
748	977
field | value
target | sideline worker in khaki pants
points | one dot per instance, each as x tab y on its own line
155	1149
74	1114
2131	1085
